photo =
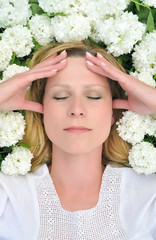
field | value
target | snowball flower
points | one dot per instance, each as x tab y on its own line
41	29
144	56
113	7
12	125
113	32
13	12
18	162
5	55
145	77
151	3
56	6
142	158
151	126
71	28
132	127
19	39
13	69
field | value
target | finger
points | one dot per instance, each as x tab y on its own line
32	106
21	81
53	60
120	104
58	66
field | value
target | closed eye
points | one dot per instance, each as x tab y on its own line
94	98
62	98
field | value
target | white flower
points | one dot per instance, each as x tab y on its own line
142	158
18	162
13	12
13	69
113	7
145	77
5	55
120	33
72	28
132	127
144	57
41	29
12	125
56	6
151	125
151	3
19	39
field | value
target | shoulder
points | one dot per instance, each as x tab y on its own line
18	200
138	201
135	181
16	188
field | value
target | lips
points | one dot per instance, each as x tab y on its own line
77	129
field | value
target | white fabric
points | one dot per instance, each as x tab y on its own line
126	208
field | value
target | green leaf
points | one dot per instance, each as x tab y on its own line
1	75
154	77
150	139
150	22
22	112
36	9
12	59
137	7
28	26
0	38
26	145
37	45
126	164
33	1
143	14
23	145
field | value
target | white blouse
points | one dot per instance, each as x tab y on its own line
30	208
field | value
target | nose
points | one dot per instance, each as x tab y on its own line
77	108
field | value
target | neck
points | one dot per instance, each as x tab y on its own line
76	173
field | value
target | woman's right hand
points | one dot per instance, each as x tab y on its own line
12	91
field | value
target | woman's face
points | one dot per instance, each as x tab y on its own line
77	97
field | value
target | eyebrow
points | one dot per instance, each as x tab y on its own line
86	86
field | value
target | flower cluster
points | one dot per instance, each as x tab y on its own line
113	32
17	162
14	12
140	158
144	56
123	27
13	69
151	3
12	125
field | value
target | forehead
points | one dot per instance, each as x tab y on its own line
76	73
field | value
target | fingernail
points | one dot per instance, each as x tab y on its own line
62	52
89	54
103	64
90	63
64	60
54	70
99	55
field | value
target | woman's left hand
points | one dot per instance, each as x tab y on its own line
141	97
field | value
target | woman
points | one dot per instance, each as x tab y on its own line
79	195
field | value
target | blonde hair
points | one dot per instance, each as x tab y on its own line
115	150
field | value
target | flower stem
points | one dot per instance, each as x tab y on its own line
141	4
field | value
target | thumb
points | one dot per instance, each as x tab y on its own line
120	104
32	106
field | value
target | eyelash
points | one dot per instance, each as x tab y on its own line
63	98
